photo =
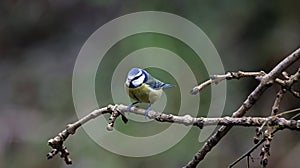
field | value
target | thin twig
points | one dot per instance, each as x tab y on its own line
265	150
246	154
248	162
279	97
228	76
288	83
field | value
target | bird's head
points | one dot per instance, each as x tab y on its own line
136	77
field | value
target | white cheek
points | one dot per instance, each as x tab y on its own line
138	81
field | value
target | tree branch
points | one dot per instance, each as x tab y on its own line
116	110
288	83
266	81
57	142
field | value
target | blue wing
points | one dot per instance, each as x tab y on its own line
156	84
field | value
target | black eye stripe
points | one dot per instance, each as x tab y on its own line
135	78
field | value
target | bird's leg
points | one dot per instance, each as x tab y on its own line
147	109
130	105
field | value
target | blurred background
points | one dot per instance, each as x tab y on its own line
39	43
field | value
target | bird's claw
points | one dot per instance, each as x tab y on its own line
130	105
147	110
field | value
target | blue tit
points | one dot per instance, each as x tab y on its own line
143	88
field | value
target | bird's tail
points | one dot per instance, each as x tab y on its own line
166	85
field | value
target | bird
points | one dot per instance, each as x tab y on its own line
143	88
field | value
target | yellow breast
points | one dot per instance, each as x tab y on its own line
144	93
